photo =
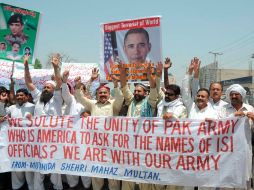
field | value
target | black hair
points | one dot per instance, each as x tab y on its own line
204	89
28	48
25	91
137	30
175	88
3	89
16	42
16	18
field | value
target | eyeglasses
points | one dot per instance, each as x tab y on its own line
169	94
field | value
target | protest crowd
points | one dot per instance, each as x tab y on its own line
169	102
132	97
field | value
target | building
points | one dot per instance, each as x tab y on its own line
211	73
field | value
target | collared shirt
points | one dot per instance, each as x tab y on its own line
110	108
72	106
218	105
193	111
129	97
228	110
53	107
17	111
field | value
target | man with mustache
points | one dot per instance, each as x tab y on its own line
102	106
200	109
48	102
21	109
215	89
170	104
236	94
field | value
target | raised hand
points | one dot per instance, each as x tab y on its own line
77	82
159	68
115	80
26	58
167	63
65	76
56	59
95	74
191	67
196	64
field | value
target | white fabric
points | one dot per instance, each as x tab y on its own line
53	107
218	105
56	179
176	107
17	111
236	88
18	178
73	108
51	82
193	111
72	180
86	181
228	111
38	181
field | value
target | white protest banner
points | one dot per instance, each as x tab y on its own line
148	150
5	72
84	70
135	42
39	77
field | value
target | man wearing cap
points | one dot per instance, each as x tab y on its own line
140	104
102	106
48	102
16	25
21	109
236	95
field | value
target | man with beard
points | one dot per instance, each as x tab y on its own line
21	109
236	94
48	102
171	106
102	106
140	104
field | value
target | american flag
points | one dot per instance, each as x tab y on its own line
108	53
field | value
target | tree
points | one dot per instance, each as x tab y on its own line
37	64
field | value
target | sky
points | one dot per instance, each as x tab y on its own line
189	28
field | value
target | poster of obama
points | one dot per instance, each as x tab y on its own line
134	43
18	32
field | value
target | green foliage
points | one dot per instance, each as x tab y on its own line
37	64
